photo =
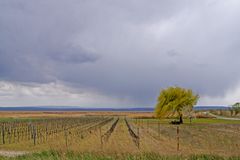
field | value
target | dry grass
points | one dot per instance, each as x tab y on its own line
54	114
218	139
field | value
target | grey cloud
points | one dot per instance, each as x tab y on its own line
172	53
73	55
123	48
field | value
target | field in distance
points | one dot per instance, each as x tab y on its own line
117	135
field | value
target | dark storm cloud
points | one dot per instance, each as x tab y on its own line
172	53
123	48
71	55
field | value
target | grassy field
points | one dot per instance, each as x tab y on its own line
200	138
54	155
194	121
206	138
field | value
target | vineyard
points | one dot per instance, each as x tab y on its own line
39	132
119	134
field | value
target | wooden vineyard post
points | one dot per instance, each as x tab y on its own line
39	137
9	135
147	125
138	133
14	134
3	133
46	133
26	132
158	128
29	130
101	140
18	135
66	137
177	138
34	135
22	133
37	134
40	134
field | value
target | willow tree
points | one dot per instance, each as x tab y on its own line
174	100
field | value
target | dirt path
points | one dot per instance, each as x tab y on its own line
224	118
12	153
120	140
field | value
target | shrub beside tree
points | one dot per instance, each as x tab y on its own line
236	108
174	100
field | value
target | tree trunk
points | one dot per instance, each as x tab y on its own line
181	119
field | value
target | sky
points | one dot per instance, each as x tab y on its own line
104	53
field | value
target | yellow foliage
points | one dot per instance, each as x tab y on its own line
174	99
